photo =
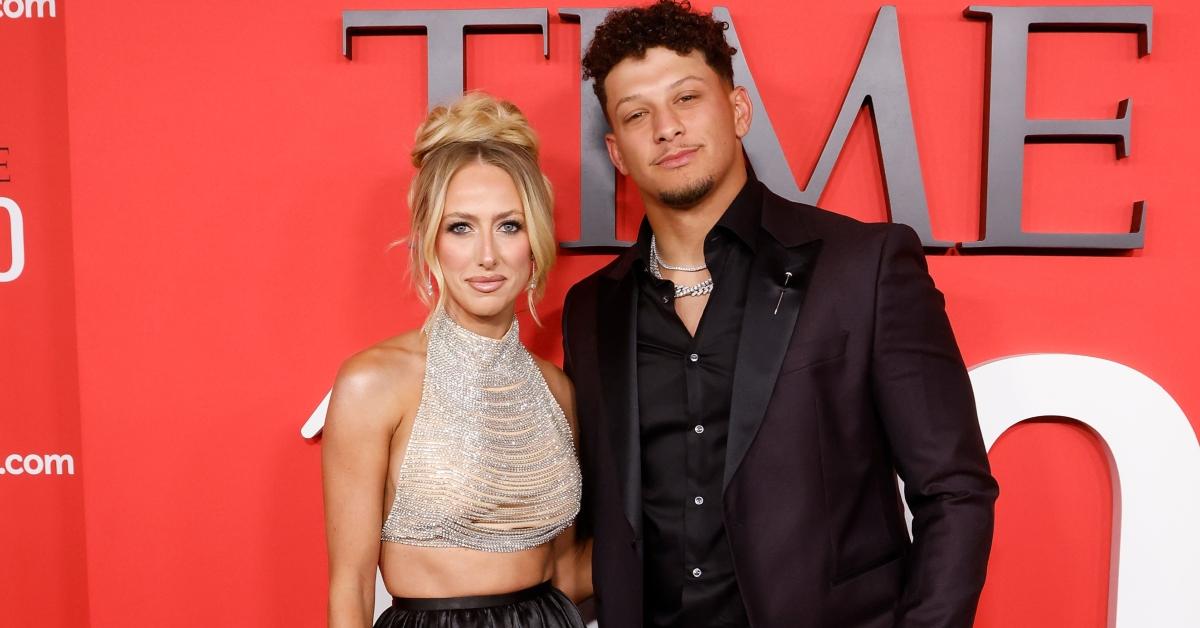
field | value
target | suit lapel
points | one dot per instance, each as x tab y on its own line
617	323
773	300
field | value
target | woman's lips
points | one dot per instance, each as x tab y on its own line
486	284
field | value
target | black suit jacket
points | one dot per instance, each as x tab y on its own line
852	377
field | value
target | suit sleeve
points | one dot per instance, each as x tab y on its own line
927	407
583	521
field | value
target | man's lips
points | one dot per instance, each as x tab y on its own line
677	158
488	283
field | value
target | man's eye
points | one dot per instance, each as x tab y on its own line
634	116
687	97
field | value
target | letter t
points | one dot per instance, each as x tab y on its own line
446	30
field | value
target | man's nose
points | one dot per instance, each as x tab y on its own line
667	126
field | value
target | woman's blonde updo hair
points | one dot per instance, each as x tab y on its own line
477	128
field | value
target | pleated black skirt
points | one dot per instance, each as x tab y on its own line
541	606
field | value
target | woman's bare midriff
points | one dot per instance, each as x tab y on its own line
412	571
435	572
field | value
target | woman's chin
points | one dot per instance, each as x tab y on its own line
485	307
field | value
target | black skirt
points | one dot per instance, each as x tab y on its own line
540	606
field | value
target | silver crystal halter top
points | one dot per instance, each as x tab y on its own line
490	464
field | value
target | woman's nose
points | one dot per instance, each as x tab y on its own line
487	251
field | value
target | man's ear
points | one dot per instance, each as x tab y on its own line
743	110
614	153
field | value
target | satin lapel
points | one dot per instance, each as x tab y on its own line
617	325
767	325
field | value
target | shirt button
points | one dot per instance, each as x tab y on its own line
696	572
694	357
699	500
699	429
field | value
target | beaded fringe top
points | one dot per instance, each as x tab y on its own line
491	464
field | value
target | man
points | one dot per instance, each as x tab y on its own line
753	373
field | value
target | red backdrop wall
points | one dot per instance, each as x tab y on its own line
42	566
209	190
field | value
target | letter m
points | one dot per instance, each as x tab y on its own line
879	83
41	8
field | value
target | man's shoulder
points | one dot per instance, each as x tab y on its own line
587	288
834	228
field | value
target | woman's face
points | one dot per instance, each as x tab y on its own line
483	248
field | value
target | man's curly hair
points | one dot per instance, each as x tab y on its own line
671	24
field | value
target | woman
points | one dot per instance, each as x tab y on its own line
452	436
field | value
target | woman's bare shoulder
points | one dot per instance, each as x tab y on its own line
381	382
397	356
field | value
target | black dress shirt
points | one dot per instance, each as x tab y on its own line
685	384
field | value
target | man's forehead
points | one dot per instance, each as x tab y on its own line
660	68
660	57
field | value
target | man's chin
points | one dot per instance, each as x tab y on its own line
687	196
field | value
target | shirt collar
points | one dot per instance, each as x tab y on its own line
744	215
742	219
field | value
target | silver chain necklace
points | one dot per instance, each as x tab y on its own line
695	290
664	264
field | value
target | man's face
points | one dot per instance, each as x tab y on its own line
676	125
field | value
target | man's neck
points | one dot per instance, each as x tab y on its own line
680	233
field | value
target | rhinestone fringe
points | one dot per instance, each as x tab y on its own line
491	464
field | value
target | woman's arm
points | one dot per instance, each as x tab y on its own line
363	414
573	566
572	557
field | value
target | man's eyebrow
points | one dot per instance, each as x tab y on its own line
671	86
682	80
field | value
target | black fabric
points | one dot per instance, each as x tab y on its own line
541	606
847	373
686	381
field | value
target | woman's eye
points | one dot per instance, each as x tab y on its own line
511	226
459	227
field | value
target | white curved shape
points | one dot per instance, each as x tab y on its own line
316	420
1155	462
17	228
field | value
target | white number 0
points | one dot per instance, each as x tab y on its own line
17	227
1155	463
